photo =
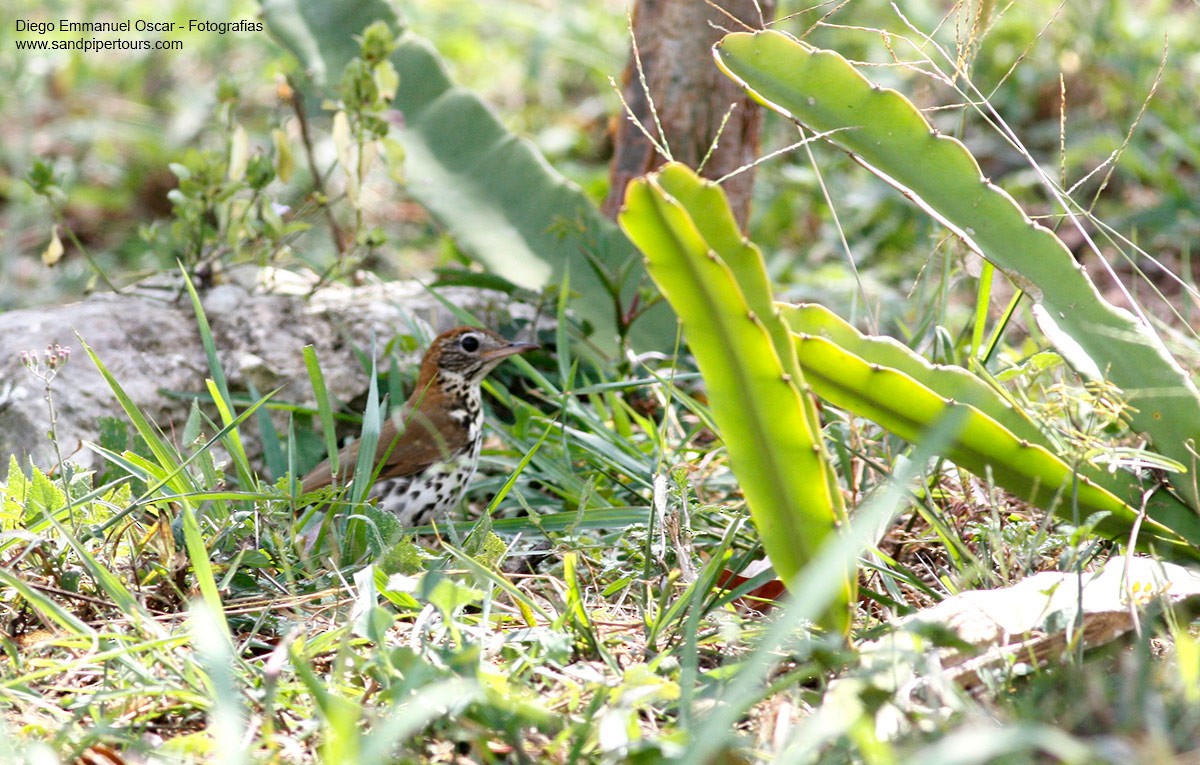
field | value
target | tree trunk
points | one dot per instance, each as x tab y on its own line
674	39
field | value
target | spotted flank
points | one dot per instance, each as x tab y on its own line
426	454
430	495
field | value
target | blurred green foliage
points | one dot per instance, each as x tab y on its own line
110	125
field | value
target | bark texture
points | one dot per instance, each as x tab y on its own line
691	96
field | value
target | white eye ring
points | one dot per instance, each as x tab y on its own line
469	343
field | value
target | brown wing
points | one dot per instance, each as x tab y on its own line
429	435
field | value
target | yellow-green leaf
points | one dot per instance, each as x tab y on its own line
54	251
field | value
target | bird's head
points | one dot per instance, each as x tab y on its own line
468	353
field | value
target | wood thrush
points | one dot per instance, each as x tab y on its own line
430	448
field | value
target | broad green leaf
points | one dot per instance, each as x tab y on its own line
949	382
887	134
493	191
756	400
713	218
982	444
960	385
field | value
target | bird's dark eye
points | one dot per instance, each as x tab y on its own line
469	343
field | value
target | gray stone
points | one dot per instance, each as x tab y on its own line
149	341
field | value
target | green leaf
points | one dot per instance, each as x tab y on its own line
284	161
493	191
239	153
54	250
273	454
449	596
218	388
12	496
948	382
754	394
881	380
162	451
888	135
324	407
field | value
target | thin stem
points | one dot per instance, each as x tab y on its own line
58	455
310	155
62	221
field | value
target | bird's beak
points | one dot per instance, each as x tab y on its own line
512	349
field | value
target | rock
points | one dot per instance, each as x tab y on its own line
149	341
